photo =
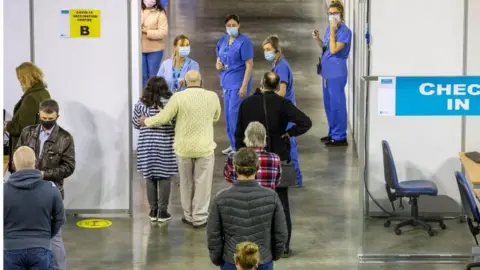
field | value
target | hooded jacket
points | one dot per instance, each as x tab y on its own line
33	211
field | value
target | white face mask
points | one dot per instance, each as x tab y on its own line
334	17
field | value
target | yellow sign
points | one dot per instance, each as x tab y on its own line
94	223
84	23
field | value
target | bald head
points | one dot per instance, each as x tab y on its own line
24	158
270	81
193	78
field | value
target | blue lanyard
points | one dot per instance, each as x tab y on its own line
226	49
175	75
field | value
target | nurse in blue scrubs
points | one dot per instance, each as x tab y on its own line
336	46
273	53
235	64
173	69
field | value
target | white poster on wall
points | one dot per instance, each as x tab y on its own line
386	96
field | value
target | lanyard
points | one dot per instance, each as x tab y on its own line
176	75
225	51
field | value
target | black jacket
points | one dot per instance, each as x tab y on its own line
280	112
246	212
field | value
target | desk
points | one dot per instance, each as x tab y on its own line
472	170
5	164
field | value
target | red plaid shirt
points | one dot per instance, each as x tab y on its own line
269	171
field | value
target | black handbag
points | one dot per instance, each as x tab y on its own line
288	177
319	65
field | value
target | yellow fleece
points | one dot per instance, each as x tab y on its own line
195	110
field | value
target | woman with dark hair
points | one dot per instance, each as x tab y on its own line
235	64
154	31
155	157
173	69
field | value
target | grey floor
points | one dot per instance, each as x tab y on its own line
326	214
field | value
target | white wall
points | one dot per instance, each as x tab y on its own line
428	44
472	142
16	42
90	80
136	61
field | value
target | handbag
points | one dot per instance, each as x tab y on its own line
319	65
288	177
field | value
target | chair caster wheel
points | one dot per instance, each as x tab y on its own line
431	232
387	224
398	232
443	226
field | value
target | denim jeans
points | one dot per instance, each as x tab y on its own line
23	259
231	266
150	65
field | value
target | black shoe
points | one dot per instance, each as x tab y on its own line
153	215
184	220
199	226
337	143
164	216
326	139
287	253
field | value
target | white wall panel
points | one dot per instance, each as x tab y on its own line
90	80
472	140
16	48
430	44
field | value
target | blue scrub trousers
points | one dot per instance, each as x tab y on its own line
150	65
231	266
231	103
294	157
335	103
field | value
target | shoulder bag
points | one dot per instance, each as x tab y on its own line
289	177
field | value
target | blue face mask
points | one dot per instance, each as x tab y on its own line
232	31
184	51
269	56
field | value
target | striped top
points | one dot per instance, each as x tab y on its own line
155	155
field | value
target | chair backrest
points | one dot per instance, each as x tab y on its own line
468	197
389	169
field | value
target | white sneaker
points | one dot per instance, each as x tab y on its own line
227	151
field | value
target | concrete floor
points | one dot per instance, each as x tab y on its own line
326	214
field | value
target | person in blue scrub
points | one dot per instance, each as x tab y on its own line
173	69
273	53
235	64
336	49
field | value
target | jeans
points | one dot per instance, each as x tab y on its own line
283	196
158	193
150	65
231	266
31	258
59	253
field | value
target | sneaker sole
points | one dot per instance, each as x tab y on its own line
153	219
164	219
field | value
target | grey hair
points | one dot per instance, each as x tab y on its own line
255	135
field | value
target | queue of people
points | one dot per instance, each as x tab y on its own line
42	157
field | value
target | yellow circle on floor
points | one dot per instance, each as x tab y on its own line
94	223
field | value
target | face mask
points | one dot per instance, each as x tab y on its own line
334	17
184	51
232	31
269	56
149	3
48	124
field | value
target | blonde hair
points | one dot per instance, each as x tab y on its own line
29	74
247	256
338	5
24	158
274	41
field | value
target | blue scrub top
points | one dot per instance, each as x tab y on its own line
173	78
282	68
234	57
335	65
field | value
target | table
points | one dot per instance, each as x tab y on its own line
472	171
5	164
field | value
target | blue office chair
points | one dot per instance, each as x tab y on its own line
411	189
471	210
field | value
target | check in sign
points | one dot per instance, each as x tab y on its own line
429	96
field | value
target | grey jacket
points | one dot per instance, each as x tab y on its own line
246	212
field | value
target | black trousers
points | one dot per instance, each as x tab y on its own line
283	195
